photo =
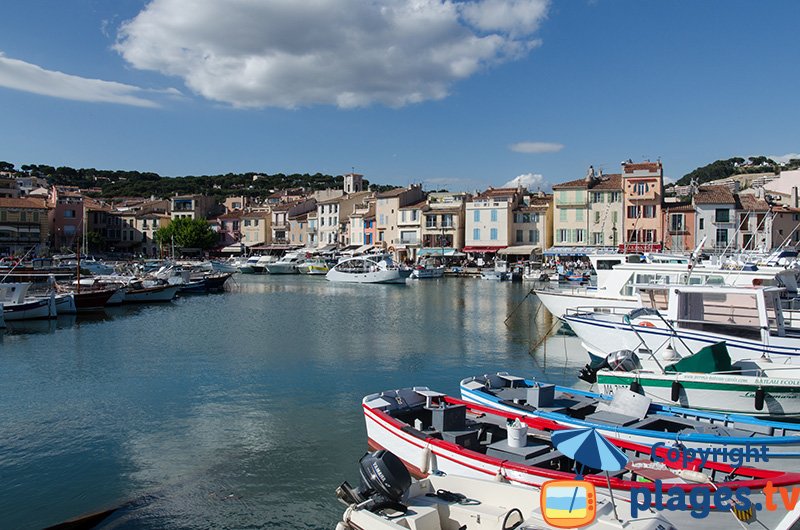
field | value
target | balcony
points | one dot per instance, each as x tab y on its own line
646	196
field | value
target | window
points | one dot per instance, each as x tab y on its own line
494	216
23	217
633	236
403	216
722	237
493	234
69	230
519	236
247	222
640	188
597	238
322	221
69	214
447	220
562	215
533	236
534	217
580	235
702	223
676	222
579	214
476	216
476	234
526	218
723	215
649	236
633	212
596	217
615	217
563	235
430	221
649	211
597	196
616	196
414	215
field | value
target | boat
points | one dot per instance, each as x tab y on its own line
17	305
250	266
627	415
314	267
203	283
619	276
500	272
443	502
65	304
686	318
259	267
140	291
95	299
431	432
2	317
706	380
427	271
286	265
367	269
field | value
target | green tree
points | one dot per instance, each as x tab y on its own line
6	166
188	233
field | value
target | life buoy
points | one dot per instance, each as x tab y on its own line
646	324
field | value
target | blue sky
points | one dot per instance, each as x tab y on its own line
461	95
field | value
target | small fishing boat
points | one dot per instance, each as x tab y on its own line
17	305
443	502
140	291
432	432
94	299
706	380
426	272
627	415
367	269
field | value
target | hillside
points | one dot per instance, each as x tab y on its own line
721	169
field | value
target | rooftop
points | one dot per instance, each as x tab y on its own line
23	203
714	195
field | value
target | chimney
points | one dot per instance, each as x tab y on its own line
589	174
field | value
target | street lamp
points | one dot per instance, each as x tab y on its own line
614	236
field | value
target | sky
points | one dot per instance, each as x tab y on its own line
453	94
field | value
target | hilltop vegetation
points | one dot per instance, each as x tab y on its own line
735	166
143	184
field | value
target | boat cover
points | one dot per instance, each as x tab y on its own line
710	359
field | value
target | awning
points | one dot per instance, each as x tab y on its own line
237	247
432	251
362	249
328	248
519	250
640	247
482	249
578	251
274	247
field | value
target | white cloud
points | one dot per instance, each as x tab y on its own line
536	147
529	181
782	159
347	53
27	77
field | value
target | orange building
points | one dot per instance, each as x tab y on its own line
643	192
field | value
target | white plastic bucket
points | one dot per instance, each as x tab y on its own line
517	434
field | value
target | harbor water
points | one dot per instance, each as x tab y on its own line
241	409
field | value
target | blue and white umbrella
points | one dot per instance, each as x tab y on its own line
588	447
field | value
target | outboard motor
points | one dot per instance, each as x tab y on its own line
384	481
620	360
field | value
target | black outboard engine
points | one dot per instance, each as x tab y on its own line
384	481
621	361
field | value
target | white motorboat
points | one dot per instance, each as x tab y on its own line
619	276
65	304
443	502
367	269
686	318
500	272
17	305
286	265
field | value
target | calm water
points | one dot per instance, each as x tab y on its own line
238	410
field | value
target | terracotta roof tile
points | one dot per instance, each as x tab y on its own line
748	201
23	203
714	195
643	166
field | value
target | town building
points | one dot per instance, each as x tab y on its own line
643	194
531	227
679	223
387	208
715	218
194	207
488	220
24	224
443	224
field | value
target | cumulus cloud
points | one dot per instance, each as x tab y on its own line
27	77
347	53
529	181
536	147
782	159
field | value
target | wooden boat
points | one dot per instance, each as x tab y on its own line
93	299
444	502
314	267
630	416
139	292
431	432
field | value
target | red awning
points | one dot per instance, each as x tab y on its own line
640	247
482	249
